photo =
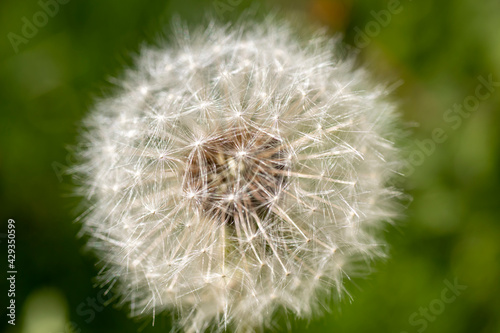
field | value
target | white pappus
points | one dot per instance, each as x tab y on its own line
237	170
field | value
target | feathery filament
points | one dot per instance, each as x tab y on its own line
226	180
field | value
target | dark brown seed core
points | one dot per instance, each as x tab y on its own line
235	174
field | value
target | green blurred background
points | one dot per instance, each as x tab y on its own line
434	51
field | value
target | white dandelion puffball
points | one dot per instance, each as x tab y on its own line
236	171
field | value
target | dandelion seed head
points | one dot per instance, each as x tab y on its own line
225	181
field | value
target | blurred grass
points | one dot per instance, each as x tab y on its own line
452	229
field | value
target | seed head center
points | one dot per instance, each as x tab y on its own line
236	173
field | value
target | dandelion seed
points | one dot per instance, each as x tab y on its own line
245	176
